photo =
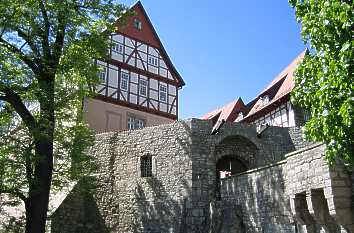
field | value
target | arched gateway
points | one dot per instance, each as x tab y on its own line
233	155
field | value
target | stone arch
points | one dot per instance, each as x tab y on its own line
230	130
233	155
237	147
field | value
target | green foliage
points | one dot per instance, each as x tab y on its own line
324	81
47	49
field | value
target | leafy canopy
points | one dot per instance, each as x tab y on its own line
324	81
47	48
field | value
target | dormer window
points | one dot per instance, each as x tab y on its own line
239	117
137	24
264	100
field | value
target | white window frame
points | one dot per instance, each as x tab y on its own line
124	79
134	122
163	93
143	83
117	47
265	100
152	60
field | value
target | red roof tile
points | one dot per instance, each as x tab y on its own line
280	87
228	112
287	85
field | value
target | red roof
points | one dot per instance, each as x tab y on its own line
286	81
278	89
228	112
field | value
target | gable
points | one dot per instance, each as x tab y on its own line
145	34
142	40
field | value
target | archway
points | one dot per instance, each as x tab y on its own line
228	166
233	155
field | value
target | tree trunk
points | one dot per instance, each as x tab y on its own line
39	190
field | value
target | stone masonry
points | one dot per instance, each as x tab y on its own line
285	185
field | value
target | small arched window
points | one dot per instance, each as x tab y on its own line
146	166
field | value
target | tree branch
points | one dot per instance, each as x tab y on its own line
16	102
13	49
27	38
45	37
59	38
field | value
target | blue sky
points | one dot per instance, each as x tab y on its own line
224	49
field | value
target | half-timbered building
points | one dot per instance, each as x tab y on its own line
271	107
139	82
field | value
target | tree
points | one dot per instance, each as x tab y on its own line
324	81
47	49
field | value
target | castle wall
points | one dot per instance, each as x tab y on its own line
260	196
321	196
184	193
299	194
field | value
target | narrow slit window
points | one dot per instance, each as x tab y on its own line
146	166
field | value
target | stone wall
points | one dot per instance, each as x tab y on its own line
184	195
127	202
320	196
260	196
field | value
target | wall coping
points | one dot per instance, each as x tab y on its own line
315	145
258	169
281	162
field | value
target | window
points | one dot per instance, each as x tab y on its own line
163	93
239	117
102	74
137	24
146	166
265	100
118	48
124	80
142	87
278	117
153	61
135	123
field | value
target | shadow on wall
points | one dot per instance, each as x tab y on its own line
162	213
226	217
78	213
155	209
262	196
